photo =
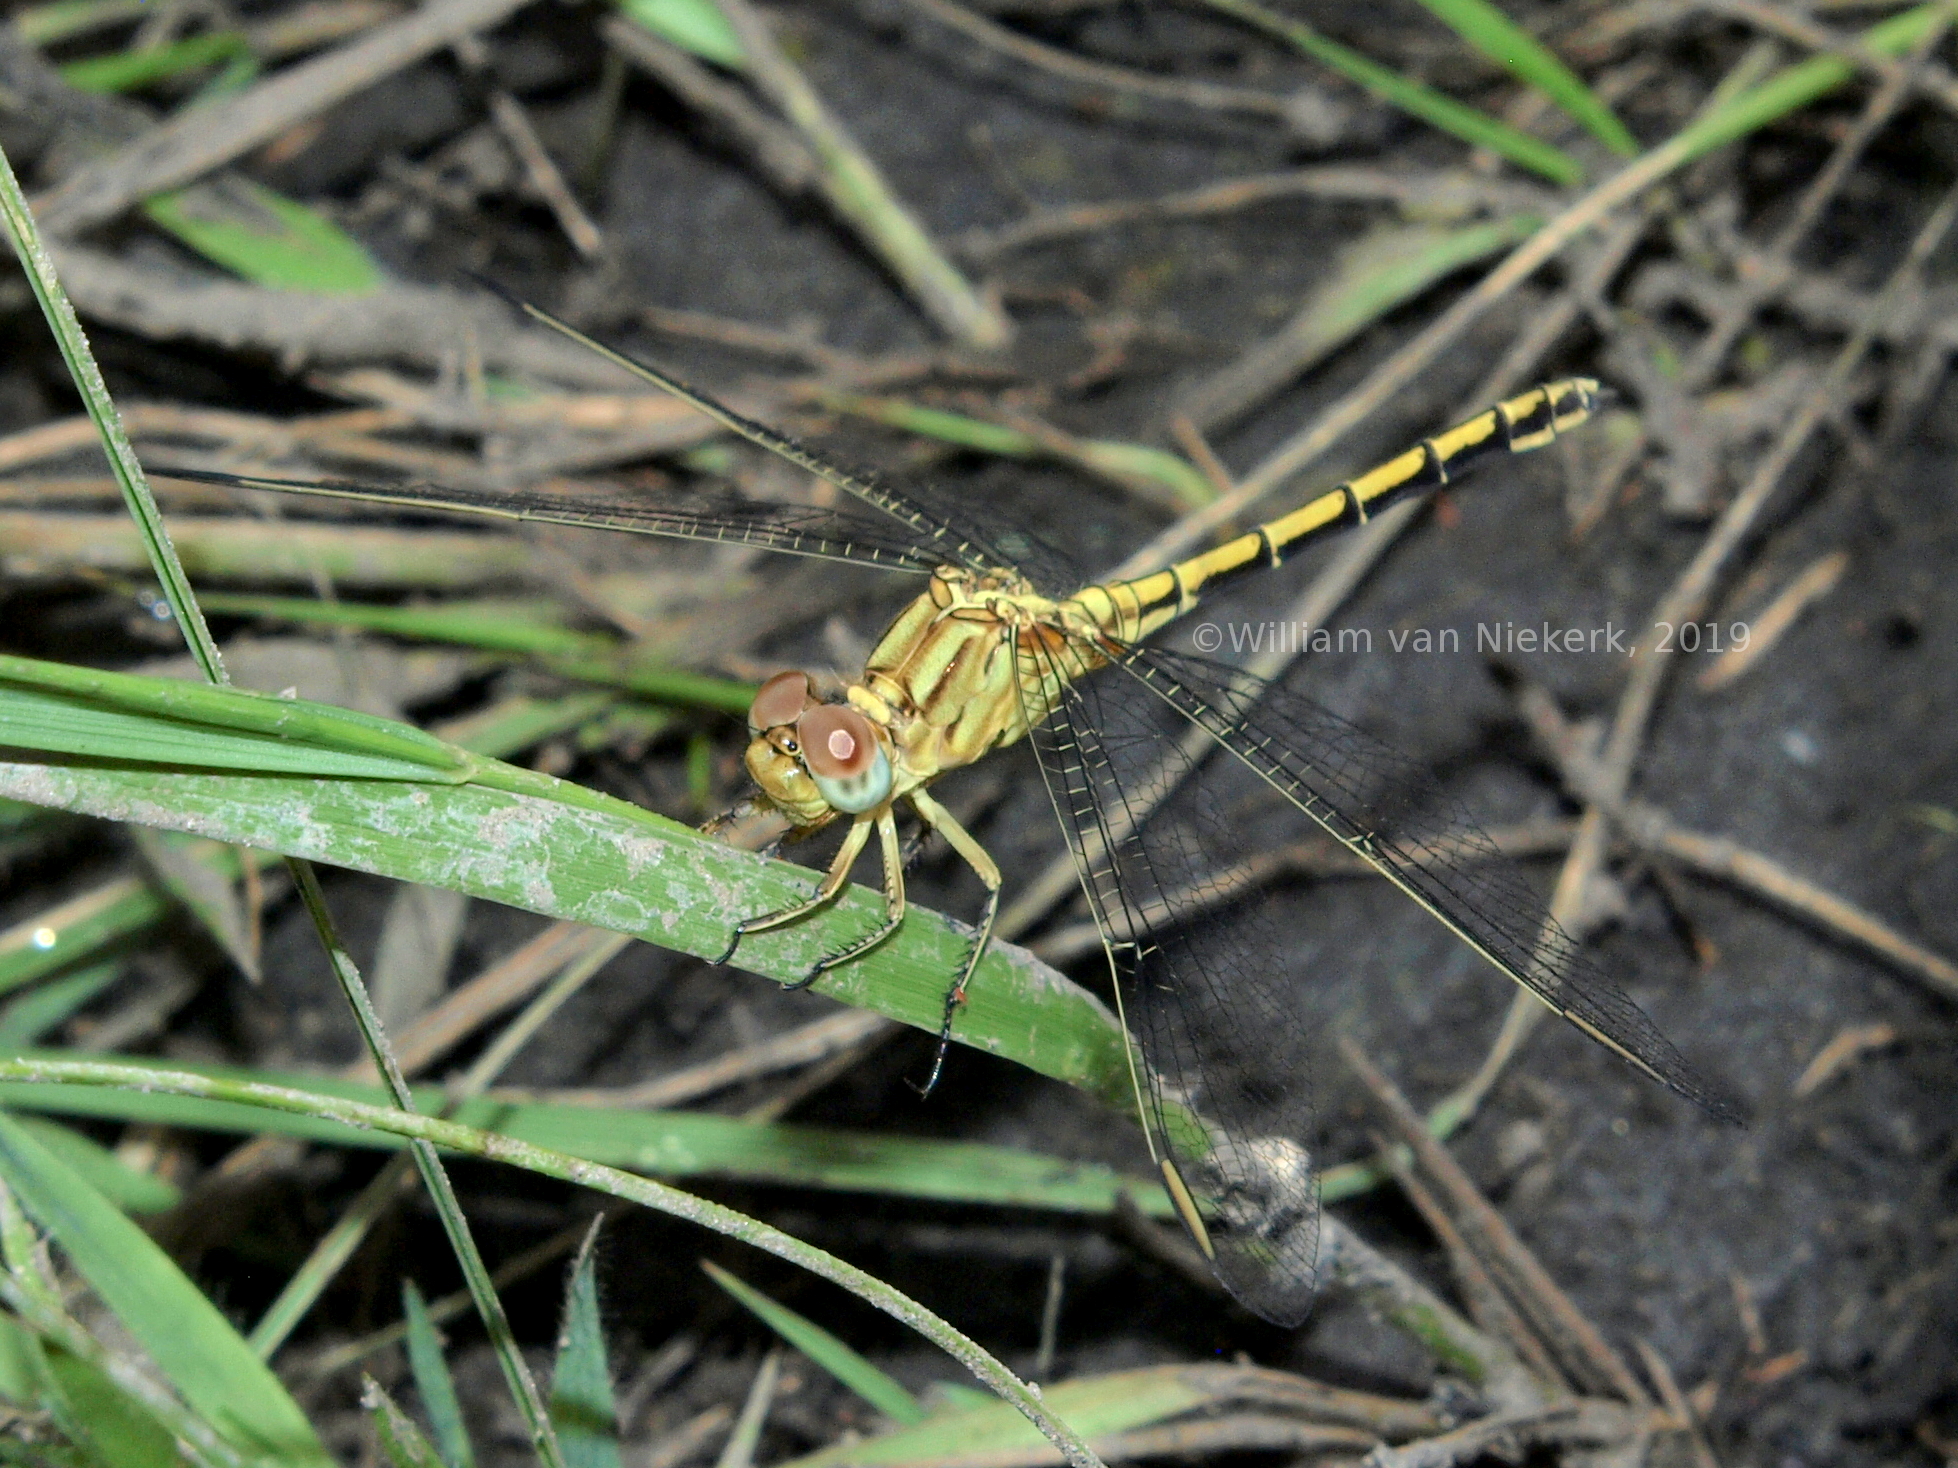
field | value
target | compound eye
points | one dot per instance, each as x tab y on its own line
779	701
844	758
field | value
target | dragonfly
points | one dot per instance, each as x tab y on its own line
987	656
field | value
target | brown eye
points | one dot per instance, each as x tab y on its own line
837	741
843	757
779	701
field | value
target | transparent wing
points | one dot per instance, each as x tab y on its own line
1198	986
1389	811
803	530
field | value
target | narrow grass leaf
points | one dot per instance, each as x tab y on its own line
435	1133
1376	275
882	1391
534	626
266	238
692	25
404	1443
1131	463
27	1018
1093	1406
433	1382
1797	86
190	1342
123	716
1514	49
1457	118
582	1405
125	71
73	931
101	1169
661	1143
739	1449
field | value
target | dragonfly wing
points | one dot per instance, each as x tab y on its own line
805	530
1197	987
1388	810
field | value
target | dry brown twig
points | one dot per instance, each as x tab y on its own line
1768	275
194	143
1653	830
857	191
1312	116
1550	1311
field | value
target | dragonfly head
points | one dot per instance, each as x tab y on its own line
814	760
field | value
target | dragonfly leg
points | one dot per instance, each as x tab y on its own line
833	880
980	860
886	824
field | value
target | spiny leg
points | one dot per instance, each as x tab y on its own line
833	880
980	860
886	824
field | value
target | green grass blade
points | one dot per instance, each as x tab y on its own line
692	25
191	1343
101	1169
1093	1406
529	841
453	1137
83	928
582	1406
1130	463
433	1382
125	71
1796	86
123	463
663	1143
882	1391
266	238
533	626
122	716
1457	118
27	1018
111	914
1514	49
404	1443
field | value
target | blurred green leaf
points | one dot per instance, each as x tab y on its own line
121	1430
582	1406
127	70
266	238
1473	127
661	1143
1511	47
189	1341
1093	1406
30	1016
101	1169
692	25
433	1382
882	1391
1798	85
